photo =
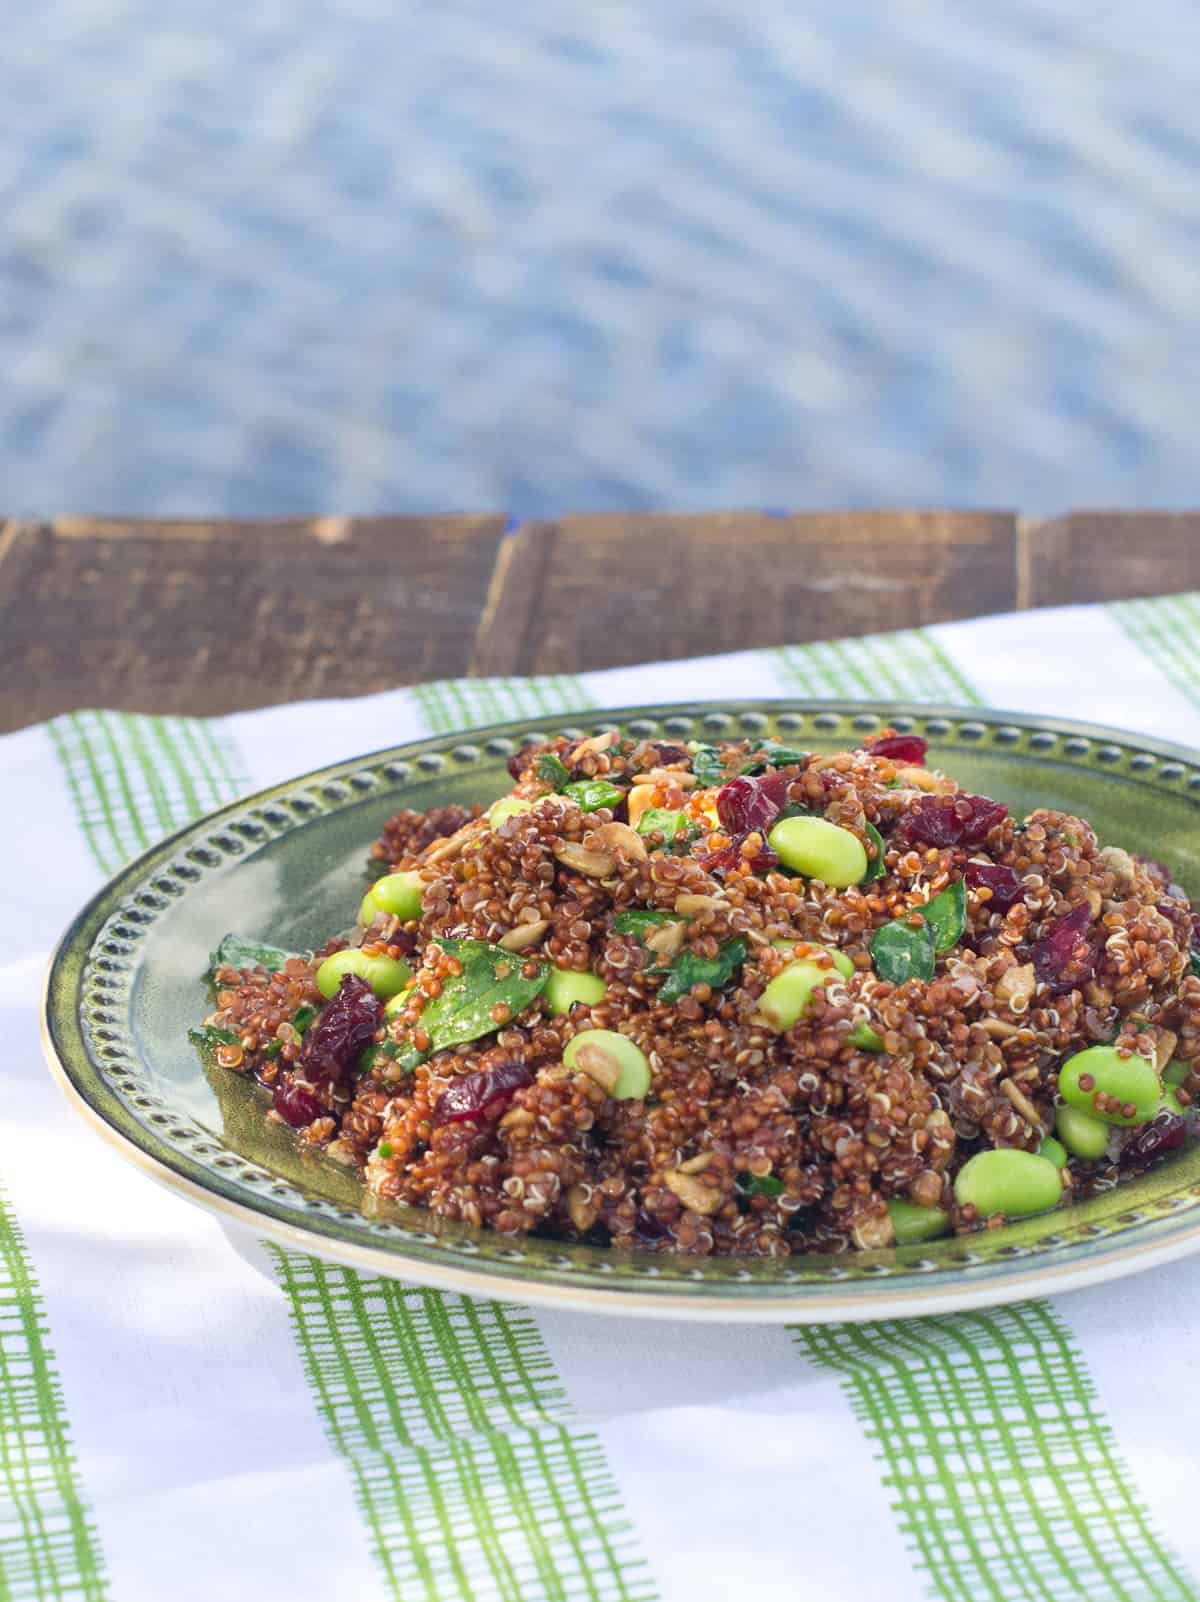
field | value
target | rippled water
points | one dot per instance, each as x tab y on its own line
361	255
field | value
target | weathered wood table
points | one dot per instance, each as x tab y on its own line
207	617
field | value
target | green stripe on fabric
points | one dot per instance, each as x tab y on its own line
1005	1477
49	1548
472	1479
911	665
451	704
134	779
1161	629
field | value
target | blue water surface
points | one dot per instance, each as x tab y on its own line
368	255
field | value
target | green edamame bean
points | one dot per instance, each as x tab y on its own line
1053	1151
399	894
787	996
507	807
385	975
1015	1183
1082	1135
819	850
565	987
1129	1085
621	1069
913	1223
1176	1072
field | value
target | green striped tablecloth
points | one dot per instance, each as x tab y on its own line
180	1418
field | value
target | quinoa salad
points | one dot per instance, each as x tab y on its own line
735	999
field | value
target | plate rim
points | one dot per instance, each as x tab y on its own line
733	1302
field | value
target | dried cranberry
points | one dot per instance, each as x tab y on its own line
732	856
751	803
1002	882
473	1094
945	820
1165	1132
1064	958
295	1104
900	747
648	1228
333	1045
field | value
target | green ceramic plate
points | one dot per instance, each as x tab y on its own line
288	865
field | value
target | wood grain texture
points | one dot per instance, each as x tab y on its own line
603	591
209	617
1109	556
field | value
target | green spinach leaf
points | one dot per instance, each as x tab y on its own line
209	1037
900	951
748	1184
946	915
490	977
688	969
773	755
234	952
553	770
707	766
875	867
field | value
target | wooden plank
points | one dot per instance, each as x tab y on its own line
1108	556
208	617
603	591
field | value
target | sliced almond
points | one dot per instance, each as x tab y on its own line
676	776
1120	864
1015	987
1022	1103
696	1165
454	843
595	864
689	905
581	1207
873	1231
692	1193
921	779
599	1066
1165	1050
666	940
517	1118
621	840
1000	1028
525	934
597	743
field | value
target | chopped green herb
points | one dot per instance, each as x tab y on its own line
686	836
592	794
210	1037
491	978
864	1038
302	1017
773	755
876	867
658	820
946	915
234	952
273	1050
385	1148
748	1184
901	952
1194	961
707	766
688	969
636	920
553	771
